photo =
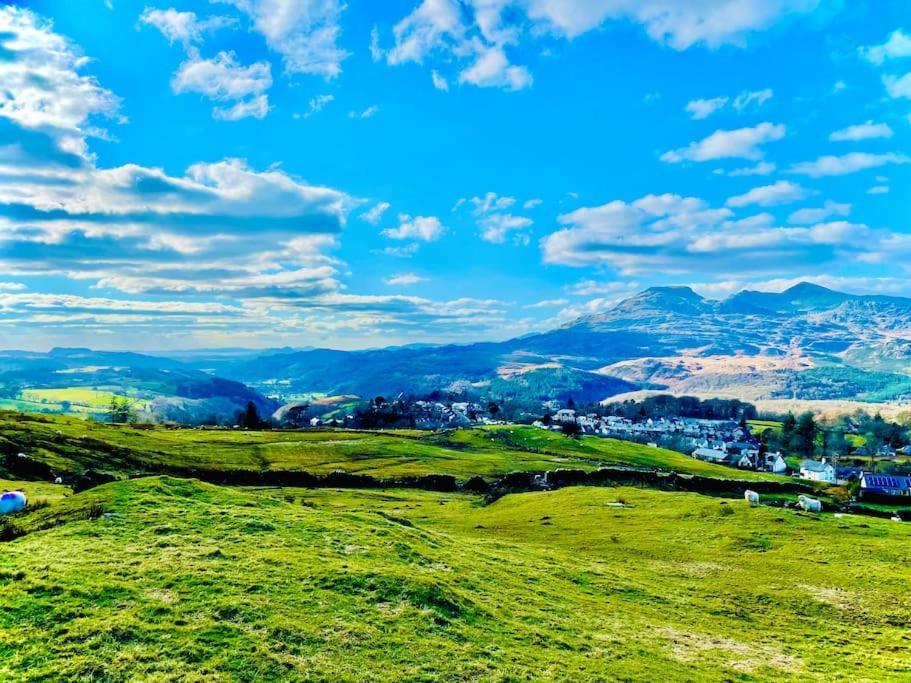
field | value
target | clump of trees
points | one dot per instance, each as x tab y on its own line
120	410
665	405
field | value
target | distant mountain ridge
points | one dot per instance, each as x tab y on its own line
804	342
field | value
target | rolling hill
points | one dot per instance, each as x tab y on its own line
807	342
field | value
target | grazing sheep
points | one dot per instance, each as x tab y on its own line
751	497
809	504
12	501
58	480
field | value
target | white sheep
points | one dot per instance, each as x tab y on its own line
751	497
58	480
12	501
809	504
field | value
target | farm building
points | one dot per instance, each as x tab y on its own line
817	470
884	485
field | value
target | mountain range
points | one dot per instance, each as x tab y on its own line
807	342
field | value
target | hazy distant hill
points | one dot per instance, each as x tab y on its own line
806	342
82	380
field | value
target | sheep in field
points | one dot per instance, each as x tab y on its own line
809	504
12	501
751	497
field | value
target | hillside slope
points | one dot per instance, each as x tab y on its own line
166	579
807	342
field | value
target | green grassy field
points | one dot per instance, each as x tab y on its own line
165	579
463	453
70	400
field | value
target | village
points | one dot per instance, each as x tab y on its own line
732	444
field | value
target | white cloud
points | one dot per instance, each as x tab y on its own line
11	286
762	168
304	32
593	287
673	22
898	86
701	109
810	216
375	214
423	228
489	202
367	113
532	203
847	163
222	79
42	89
496	226
491	69
878	189
749	98
439	82
898	45
317	103
256	108
477	32
671	234
404	279
743	143
780	192
862	131
182	27
549	303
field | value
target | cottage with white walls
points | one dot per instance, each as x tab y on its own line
817	470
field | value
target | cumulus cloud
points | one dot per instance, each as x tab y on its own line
404	279
898	86
780	192
496	227
475	34
898	45
375	213
304	32
317	103
182	27
492	69
742	143
762	168
703	108
747	99
752	99
422	228
43	90
831	165
224	80
367	113
862	131
677	235
810	216
439	82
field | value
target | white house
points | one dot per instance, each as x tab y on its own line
774	463
817	470
565	415
710	455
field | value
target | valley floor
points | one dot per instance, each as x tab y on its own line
171	579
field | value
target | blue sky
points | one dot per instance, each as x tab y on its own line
310	172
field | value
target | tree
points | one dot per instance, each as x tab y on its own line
379	401
570	403
805	433
250	418
571	429
493	409
120	410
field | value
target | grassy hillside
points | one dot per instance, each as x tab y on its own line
117	450
165	579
